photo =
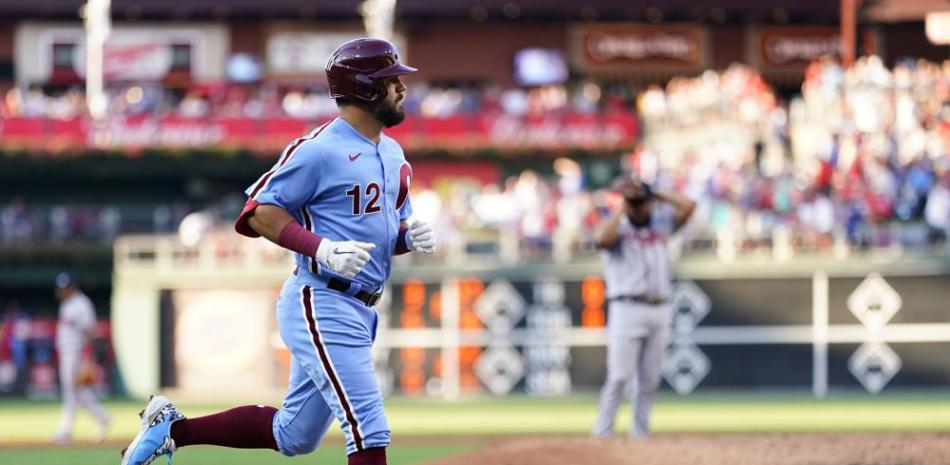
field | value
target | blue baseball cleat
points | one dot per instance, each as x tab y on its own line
154	439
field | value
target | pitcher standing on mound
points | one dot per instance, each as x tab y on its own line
638	277
339	198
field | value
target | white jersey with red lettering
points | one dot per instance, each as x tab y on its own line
639	263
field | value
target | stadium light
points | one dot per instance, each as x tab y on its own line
937	27
96	17
378	18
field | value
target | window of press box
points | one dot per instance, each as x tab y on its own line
181	57
63	55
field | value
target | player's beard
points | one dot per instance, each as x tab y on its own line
389	114
642	222
640	213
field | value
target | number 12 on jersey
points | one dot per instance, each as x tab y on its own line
372	193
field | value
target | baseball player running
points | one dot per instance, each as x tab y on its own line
637	275
74	333
339	199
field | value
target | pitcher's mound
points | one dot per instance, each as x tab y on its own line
718	449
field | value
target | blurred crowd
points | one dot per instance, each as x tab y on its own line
581	97
23	222
25	340
28	355
273	99
858	160
527	215
876	139
738	94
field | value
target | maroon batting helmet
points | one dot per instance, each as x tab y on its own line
355	68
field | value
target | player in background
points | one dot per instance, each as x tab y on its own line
338	197
638	278
74	334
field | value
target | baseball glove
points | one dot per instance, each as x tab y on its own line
87	374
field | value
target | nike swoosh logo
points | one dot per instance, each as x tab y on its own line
354	157
339	252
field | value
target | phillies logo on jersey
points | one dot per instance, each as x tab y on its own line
405	174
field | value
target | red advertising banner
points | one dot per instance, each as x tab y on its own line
638	47
459	133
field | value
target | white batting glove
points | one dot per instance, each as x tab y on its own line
420	237
346	258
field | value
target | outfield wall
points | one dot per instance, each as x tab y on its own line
203	323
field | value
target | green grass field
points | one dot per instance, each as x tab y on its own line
433	429
332	455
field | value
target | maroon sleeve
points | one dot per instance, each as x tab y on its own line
241	225
402	247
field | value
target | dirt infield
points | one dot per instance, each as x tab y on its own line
719	449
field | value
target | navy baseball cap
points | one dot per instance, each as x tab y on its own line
64	280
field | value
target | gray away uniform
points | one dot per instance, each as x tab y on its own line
637	275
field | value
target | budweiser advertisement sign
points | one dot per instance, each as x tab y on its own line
172	133
794	47
790	46
637	47
578	132
471	132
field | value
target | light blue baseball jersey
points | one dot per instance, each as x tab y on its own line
340	185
